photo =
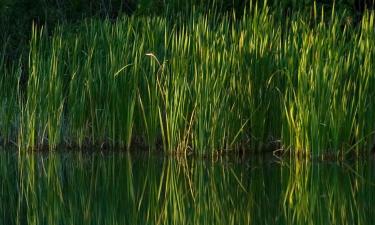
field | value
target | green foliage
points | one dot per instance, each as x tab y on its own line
203	83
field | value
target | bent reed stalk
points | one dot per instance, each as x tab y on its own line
199	84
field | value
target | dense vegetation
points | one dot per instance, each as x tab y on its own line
192	78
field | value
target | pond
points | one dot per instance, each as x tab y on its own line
123	188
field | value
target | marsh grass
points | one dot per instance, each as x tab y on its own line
329	91
10	96
203	83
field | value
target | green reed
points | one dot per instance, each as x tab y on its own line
102	87
327	100
201	83
9	98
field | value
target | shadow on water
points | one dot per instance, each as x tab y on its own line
79	188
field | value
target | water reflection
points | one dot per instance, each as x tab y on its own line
79	188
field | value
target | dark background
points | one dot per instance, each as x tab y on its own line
17	16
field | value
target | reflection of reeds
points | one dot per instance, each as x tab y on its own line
299	200
199	84
87	188
326	194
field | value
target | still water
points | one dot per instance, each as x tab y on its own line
121	188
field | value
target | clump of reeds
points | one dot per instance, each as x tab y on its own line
202	84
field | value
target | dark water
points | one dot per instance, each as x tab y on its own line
79	188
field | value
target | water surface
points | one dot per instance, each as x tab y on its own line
121	188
